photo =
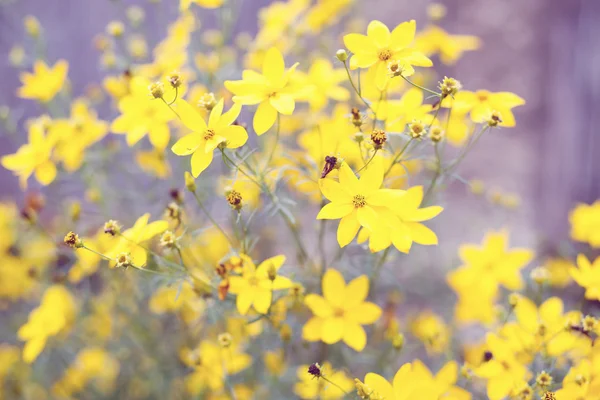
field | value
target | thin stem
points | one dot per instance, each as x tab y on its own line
397	157
421	87
274	144
203	208
97	253
368	162
333	383
171	108
355	88
377	268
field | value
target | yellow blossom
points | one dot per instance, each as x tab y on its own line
340	313
381	46
45	82
219	132
271	90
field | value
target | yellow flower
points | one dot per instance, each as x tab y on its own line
355	201
579	382
585	224
379	47
44	83
325	81
255	287
33	157
74	135
587	275
434	40
131	240
398	113
91	364
560	271
271	90
220	131
406	385
180	299
340	313
483	103
54	315
543	327
403	223
432	331
142	115
310	388
502	369
154	162
495	259
212	364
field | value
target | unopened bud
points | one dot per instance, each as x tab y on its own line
341	55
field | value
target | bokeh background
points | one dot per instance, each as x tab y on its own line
546	51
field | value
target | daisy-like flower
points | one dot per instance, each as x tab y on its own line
271	90
340	313
404	223
482	104
45	82
355	200
256	284
380	47
207	137
34	157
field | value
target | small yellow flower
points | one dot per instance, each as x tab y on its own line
340	313
219	132
271	90
380	46
45	82
254	287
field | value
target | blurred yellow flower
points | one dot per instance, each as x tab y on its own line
482	103
340	313
131	240
585	223
45	82
55	315
587	275
35	157
141	115
185	4
309	388
271	90
434	40
256	284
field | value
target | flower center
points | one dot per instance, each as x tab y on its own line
384	54
482	95
253	281
359	201
209	134
338	312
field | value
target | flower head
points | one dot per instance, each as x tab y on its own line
219	132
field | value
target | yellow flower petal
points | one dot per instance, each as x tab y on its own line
264	118
379	33
187	144
355	336
403	35
334	287
332	330
318	305
200	161
335	210
347	229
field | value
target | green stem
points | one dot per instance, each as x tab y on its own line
421	87
333	383
207	213
355	88
274	144
368	162
397	157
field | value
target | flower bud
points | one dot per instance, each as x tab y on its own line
190	183
73	241
112	227
341	55
157	90
225	339
115	29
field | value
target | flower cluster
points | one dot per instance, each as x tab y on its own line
229	216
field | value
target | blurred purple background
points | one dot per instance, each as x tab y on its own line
547	51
